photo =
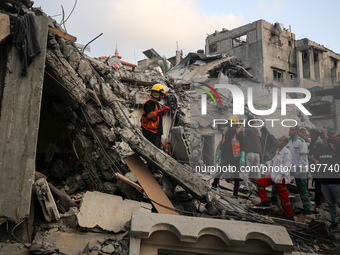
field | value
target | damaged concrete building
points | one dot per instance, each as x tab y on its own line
272	54
73	160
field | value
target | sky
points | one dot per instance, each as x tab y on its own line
134	26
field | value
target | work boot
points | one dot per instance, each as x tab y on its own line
263	204
273	200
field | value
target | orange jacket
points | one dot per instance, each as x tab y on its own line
234	143
150	124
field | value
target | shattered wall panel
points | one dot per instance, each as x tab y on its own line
19	123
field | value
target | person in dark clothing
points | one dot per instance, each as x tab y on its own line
232	153
329	177
151	121
312	148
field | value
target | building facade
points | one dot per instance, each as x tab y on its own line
271	54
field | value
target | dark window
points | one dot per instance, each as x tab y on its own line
213	48
277	76
304	55
334	62
316	57
320	109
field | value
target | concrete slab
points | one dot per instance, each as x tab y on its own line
108	212
46	200
19	124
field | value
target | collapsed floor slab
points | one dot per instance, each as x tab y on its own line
107	212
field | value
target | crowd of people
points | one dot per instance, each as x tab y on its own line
313	156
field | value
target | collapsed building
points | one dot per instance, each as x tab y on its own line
71	150
271	53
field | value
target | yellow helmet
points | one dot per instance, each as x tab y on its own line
159	87
234	119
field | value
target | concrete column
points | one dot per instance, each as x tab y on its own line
178	57
19	123
299	69
337	115
311	65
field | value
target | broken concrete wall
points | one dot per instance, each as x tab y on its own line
19	121
97	108
228	70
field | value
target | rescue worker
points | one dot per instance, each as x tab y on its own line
298	149
232	153
151	121
279	177
152	127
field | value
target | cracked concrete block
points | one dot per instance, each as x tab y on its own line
108	96
85	70
93	81
46	200
108	116
68	50
151	232
105	132
74	59
83	145
179	145
93	113
141	97
108	212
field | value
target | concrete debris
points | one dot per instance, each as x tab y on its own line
46	200
108	212
83	129
74	242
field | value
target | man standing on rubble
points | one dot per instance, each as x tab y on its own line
329	177
152	127
232	153
298	149
151	121
252	145
279	177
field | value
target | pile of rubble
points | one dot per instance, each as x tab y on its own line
91	155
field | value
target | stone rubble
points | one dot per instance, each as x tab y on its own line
96	103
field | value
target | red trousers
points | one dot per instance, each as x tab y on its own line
281	189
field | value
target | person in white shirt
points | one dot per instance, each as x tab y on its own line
279	176
299	150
